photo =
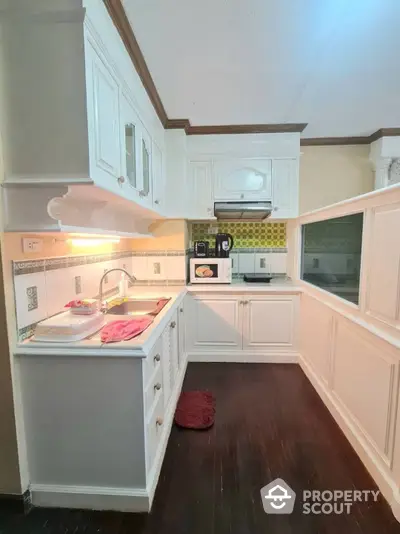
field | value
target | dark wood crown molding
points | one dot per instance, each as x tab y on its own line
357	140
121	22
331	141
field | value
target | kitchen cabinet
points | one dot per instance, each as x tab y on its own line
213	323
101	152
126	417
285	188
240	324
268	321
200	190
158	179
243	179
106	155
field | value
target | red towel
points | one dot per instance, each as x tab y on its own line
124	329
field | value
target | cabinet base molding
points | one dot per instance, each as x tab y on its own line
244	357
90	497
373	464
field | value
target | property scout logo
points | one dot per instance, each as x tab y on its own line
278	498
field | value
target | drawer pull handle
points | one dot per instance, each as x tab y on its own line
159	421
121	179
157	386
173	324
157	358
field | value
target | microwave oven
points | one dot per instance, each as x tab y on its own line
210	270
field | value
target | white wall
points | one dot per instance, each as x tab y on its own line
329	174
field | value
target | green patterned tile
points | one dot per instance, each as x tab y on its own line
245	235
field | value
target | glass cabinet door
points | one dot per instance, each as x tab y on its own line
130	153
146	168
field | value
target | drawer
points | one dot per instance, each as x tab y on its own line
154	430
154	389
152	362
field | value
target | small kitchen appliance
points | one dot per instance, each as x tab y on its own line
201	249
258	278
223	244
211	270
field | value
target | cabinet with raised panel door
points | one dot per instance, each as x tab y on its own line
222	323
243	179
200	190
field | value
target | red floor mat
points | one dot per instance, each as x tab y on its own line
195	409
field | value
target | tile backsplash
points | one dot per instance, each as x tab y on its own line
42	287
246	235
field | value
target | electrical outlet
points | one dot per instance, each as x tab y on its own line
32	244
157	267
212	230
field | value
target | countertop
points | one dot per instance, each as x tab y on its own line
277	285
140	346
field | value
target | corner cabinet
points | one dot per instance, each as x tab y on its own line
243	179
241	327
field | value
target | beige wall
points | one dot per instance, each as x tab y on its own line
329	174
168	235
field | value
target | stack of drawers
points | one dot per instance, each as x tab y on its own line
153	401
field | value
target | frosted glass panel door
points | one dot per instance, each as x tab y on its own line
243	179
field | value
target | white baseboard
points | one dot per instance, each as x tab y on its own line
90	497
244	357
154	474
377	469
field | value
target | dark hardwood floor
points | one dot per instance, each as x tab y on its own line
270	423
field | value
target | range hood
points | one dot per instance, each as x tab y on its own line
254	211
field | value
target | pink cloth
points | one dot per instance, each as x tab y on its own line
124	329
160	305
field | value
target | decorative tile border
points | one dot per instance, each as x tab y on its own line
63	262
249	251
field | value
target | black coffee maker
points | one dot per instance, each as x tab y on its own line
223	244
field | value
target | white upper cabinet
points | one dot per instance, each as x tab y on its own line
200	189
158	178
106	120
285	188
243	179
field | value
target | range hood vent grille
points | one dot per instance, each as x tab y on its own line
250	211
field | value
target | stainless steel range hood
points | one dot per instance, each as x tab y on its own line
253	211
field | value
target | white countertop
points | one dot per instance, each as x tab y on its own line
277	285
141	345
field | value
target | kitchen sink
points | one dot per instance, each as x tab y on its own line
135	307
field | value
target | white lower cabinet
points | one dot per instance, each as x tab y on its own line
214	322
111	418
269	322
240	325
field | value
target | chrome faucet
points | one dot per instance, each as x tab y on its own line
130	276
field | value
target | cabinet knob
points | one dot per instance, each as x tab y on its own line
156	202
181	310
157	386
159	421
245	302
173	324
121	179
157	358
142	193
242	195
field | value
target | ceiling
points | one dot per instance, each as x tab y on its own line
333	64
